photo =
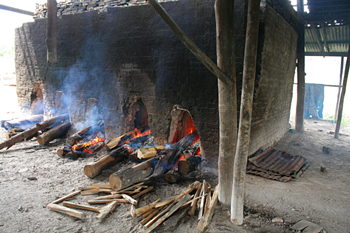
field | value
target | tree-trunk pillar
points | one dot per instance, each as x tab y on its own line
51	33
249	71
224	12
341	102
299	119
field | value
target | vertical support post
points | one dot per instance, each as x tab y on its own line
51	32
299	121
341	102
249	72
339	89
224	15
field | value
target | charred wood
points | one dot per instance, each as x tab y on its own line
23	124
54	133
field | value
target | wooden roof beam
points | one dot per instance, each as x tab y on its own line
8	8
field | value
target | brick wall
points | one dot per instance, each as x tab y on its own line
128	52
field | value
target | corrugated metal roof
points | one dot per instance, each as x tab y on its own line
333	39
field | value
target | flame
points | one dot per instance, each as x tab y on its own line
137	133
89	145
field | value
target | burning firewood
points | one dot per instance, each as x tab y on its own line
54	133
78	136
25	134
132	175
19	125
170	160
189	164
149	152
117	142
114	156
172	176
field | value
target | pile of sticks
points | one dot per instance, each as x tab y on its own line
196	200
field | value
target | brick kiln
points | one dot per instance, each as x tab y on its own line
125	66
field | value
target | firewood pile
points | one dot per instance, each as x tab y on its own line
198	200
78	6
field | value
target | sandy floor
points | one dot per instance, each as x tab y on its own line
320	197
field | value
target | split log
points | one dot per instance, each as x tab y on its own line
149	152
205	221
114	156
25	134
149	189
107	209
114	196
162	212
65	210
172	176
195	200
151	211
104	201
19	125
66	197
189	164
82	207
204	191
149	217
126	177
169	160
129	199
169	213
54	133
121	140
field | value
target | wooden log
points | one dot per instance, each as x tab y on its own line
101	186
82	207
206	61
339	88
107	209
25	134
170	160
224	15
205	221
51	31
20	125
342	96
169	213
65	210
242	150
149	152
66	197
195	200
189	164
54	133
172	176
126	177
121	140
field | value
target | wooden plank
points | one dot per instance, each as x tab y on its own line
207	62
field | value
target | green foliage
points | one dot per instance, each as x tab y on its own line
345	120
7	52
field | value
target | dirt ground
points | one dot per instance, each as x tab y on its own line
319	197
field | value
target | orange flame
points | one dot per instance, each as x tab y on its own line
89	145
137	133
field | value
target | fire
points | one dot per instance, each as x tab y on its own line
138	133
89	145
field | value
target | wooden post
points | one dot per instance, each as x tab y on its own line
224	15
339	90
341	102
51	33
190	44
299	119
249	70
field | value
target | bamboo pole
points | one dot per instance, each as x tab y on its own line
224	15
341	102
249	69
206	61
299	118
51	33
